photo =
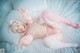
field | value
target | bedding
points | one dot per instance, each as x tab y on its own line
10	39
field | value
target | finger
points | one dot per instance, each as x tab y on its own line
18	44
27	45
20	11
23	10
23	45
30	21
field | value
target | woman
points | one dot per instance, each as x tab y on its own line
34	30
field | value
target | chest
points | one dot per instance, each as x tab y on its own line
38	29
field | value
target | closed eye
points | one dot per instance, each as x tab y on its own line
17	25
16	22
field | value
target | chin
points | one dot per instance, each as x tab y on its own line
21	31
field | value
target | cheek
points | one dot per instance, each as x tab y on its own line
26	27
19	30
22	28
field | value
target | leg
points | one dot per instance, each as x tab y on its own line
52	42
57	18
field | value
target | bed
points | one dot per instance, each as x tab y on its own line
9	39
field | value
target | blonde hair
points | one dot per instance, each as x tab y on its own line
13	24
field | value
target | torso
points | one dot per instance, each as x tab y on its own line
40	30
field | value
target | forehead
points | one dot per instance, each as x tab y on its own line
17	22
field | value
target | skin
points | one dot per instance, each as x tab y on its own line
39	31
57	18
18	27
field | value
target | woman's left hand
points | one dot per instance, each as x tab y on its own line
25	41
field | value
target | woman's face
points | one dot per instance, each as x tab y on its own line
18	27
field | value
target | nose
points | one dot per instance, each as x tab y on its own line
22	29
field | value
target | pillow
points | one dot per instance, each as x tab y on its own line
7	34
34	7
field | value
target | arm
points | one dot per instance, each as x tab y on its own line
26	40
57	18
32	34
25	15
